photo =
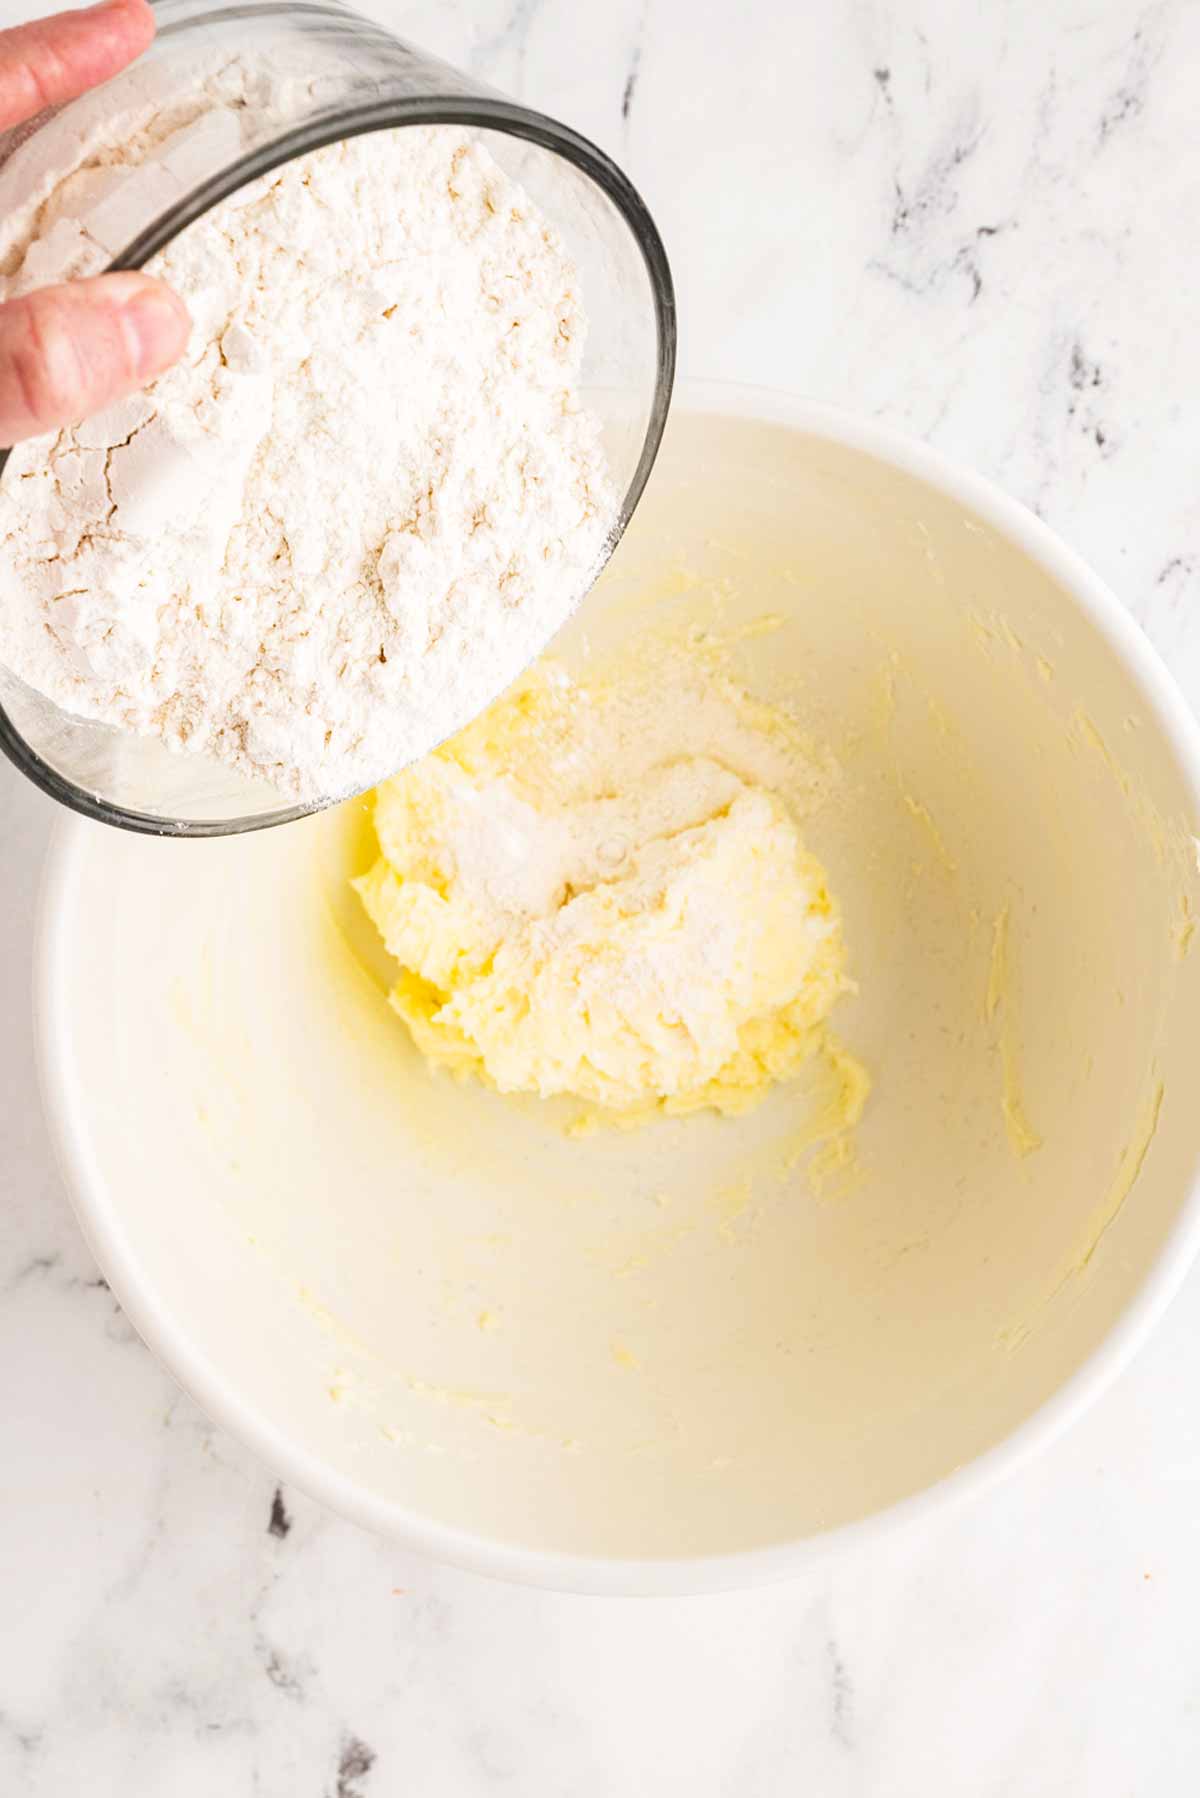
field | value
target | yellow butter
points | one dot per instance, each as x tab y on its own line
590	892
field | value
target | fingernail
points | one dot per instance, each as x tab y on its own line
158	324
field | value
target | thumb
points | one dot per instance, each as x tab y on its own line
66	352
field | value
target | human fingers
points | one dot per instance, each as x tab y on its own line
54	59
67	352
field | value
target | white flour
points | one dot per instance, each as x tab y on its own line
366	499
597	890
563	785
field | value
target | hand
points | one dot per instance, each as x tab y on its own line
69	351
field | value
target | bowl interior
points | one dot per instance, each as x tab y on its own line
430	1305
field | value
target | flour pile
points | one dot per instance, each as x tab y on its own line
363	503
597	890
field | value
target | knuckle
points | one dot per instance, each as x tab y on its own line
45	365
42	69
39	76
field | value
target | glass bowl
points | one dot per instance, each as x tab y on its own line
323	74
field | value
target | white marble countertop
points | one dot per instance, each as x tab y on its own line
978	221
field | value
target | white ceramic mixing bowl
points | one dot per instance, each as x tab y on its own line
655	1360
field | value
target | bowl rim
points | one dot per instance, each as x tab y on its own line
98	1216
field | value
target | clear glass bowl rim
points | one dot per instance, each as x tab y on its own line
481	112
